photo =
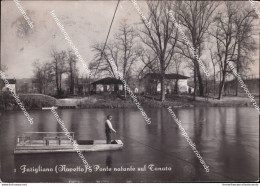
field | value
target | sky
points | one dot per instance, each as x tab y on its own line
86	22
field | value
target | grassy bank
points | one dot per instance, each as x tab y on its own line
29	101
188	101
105	101
37	101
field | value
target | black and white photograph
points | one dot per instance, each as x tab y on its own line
129	91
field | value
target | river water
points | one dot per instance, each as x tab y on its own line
226	138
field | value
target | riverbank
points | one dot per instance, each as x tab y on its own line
222	133
38	101
113	101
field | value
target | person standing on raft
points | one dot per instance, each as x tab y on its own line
108	128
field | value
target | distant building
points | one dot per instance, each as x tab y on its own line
12	83
152	83
26	85
82	86
107	84
251	84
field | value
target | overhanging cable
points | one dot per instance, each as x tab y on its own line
107	37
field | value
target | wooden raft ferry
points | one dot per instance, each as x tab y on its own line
51	142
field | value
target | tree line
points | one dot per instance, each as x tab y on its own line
219	31
60	69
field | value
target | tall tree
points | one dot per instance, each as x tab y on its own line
246	44
228	34
72	60
161	37
177	62
196	17
104	67
42	76
150	62
122	50
214	65
128	53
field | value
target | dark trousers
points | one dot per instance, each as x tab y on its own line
108	136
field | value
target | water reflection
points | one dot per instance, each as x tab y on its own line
227	139
109	162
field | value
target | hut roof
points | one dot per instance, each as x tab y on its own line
167	76
107	81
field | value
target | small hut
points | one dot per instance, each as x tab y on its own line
107	84
12	84
173	82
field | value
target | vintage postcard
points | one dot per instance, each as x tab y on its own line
127	91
